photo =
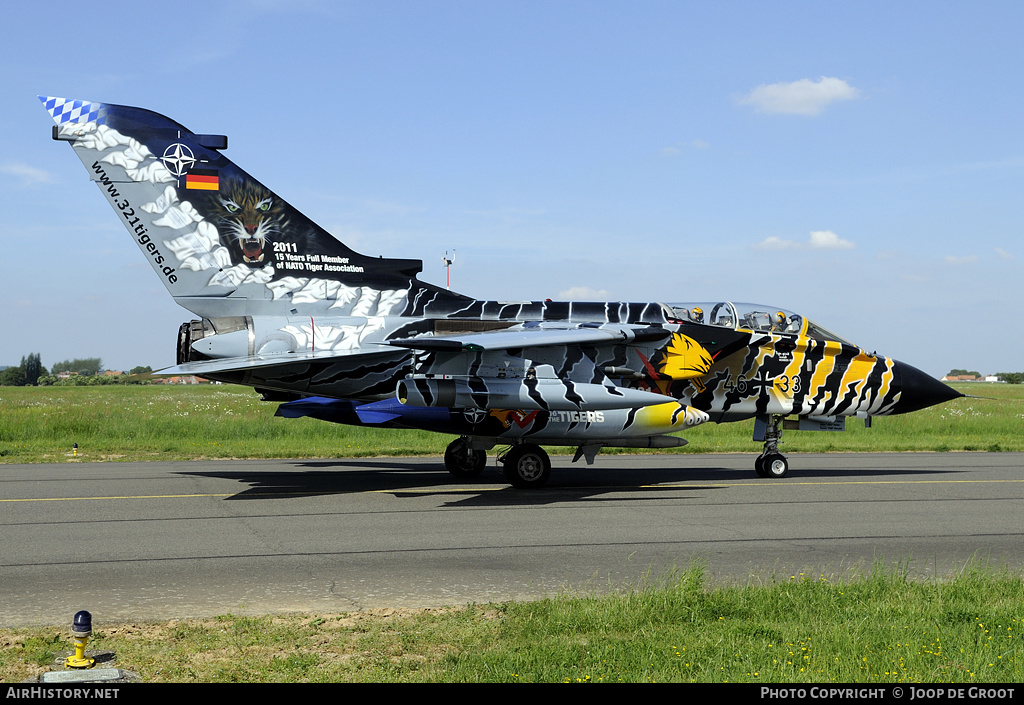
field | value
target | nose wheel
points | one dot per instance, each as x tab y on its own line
771	465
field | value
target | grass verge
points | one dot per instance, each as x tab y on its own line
878	628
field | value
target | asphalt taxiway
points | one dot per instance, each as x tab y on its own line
156	541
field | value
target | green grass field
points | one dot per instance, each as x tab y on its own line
41	424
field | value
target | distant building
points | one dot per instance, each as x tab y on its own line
971	378
183	379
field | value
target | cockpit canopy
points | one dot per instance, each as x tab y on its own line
755	317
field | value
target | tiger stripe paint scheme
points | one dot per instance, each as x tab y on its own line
286	308
811	378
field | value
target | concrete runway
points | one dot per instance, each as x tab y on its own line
158	541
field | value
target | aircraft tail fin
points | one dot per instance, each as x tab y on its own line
222	243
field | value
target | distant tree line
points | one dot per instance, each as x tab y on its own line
85	366
85	371
27	373
1008	377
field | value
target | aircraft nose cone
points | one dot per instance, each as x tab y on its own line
919	390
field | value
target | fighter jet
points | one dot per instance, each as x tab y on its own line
284	307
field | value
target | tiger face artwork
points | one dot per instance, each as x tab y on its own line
248	217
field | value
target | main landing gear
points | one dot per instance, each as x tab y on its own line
526	466
771	463
462	461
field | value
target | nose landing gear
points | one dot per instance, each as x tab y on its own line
771	463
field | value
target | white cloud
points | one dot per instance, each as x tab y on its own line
803	97
960	259
828	240
1004	255
776	243
818	240
680	147
29	175
583	293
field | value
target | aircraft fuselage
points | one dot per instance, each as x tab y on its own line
285	307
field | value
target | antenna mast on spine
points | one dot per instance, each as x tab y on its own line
447	269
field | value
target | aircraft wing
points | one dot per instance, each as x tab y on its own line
546	365
247	363
536	335
688	353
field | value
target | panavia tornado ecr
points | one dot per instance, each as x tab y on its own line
284	307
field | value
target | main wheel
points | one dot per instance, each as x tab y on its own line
527	466
462	461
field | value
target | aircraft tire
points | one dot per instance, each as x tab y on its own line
774	465
759	466
527	466
464	462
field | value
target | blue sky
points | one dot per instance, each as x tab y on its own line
859	163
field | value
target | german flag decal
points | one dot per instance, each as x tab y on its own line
202	179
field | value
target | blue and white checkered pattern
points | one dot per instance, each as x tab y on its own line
63	110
